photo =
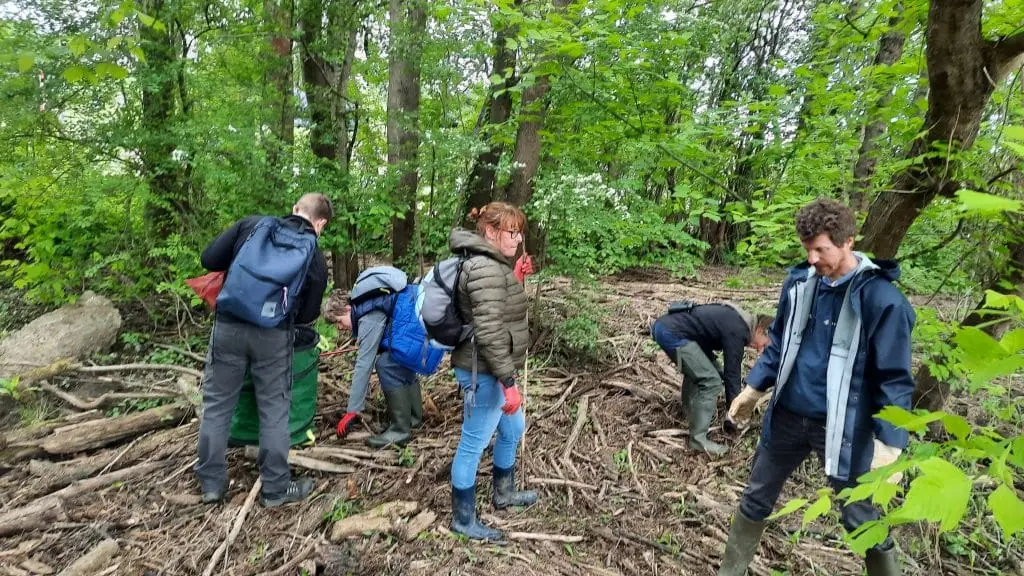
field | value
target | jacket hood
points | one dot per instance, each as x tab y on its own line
885	269
462	240
748	318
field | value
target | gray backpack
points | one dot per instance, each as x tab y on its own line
439	308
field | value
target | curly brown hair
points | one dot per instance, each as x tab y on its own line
826	216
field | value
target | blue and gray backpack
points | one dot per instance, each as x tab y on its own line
386	288
267	275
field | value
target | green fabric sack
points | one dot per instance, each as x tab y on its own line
245	423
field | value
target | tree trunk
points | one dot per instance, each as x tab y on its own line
929	392
168	203
482	178
346	262
407	27
890	50
962	71
526	158
326	91
278	15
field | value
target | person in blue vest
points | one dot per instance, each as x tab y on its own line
238	344
839	354
369	320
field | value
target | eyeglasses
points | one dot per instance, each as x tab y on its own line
514	234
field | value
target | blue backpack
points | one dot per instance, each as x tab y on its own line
267	274
406	337
386	288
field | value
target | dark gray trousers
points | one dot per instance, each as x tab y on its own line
267	354
793	438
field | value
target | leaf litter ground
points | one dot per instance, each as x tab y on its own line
605	447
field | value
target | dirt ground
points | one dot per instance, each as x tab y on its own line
605	447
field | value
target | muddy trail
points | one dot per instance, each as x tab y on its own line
103	484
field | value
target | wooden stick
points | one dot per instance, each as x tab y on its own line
15	520
178	472
561	482
183	352
235	529
632	470
289	567
318	465
581	419
544	537
126	367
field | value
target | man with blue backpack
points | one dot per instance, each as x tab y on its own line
383	315
275	280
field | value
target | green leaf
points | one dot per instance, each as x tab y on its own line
868	535
112	70
914	422
998	468
75	74
150	22
789	508
986	204
1017	148
956	425
940	494
975	343
139	54
1013	341
77	45
814	511
26	61
1007	509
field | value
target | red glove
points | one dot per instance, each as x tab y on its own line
512	399
345	423
524	267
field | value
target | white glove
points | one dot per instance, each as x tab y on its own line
743	406
885	455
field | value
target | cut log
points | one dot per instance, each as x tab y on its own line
99	433
38	513
384	518
94	561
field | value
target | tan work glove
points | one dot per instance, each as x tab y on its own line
885	455
743	406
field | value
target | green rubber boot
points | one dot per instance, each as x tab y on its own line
744	535
416	405
398	432
882	562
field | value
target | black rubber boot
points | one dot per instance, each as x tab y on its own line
744	535
416	405
882	562
505	493
398	432
703	404
464	520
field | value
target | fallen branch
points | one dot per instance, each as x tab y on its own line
99	433
181	351
384	518
39	510
581	419
544	537
128	367
235	529
318	465
561	482
94	561
289	567
632	470
102	400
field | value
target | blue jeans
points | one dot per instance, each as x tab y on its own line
793	438
478	425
